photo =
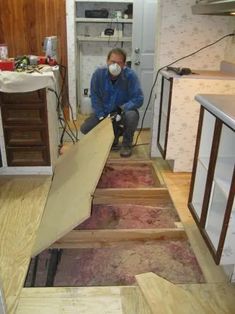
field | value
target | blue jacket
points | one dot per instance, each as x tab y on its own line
106	97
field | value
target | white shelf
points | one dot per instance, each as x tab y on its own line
216	212
114	1
103	20
224	169
108	38
204	162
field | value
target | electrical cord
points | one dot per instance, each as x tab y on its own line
63	121
165	66
59	101
67	99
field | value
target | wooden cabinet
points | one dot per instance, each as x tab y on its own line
211	199
25	128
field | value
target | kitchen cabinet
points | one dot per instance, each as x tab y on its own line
28	124
88	45
179	113
211	199
24	120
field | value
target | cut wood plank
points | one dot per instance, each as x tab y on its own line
220	296
133	301
76	176
107	238
164	297
92	300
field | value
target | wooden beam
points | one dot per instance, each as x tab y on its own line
141	196
109	238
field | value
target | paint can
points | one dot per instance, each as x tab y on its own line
3	51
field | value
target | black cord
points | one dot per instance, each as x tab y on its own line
156	77
67	98
70	107
63	121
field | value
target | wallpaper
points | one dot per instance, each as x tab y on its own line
184	116
181	33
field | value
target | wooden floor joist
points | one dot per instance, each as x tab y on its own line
108	238
142	196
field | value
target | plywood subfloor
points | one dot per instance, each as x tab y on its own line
186	298
22	200
92	300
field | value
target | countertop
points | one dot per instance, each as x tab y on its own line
222	106
200	74
226	71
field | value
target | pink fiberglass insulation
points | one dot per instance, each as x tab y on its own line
127	176
171	259
127	216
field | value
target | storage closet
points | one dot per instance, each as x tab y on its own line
94	28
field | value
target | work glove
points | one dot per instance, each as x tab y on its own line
117	115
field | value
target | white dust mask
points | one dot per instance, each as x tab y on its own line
114	69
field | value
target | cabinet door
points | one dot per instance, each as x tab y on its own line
220	217
203	149
164	115
211	199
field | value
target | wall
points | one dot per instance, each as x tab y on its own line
230	48
180	33
25	23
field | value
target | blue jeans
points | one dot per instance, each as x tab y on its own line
126	127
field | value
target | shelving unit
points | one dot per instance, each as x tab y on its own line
211	199
86	39
108	38
107	20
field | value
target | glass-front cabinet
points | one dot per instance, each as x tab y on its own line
211	198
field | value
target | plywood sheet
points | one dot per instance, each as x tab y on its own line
76	176
22	201
164	297
220	296
93	300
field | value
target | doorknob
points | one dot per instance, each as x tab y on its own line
137	62
137	50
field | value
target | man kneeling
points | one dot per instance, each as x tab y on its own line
116	91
